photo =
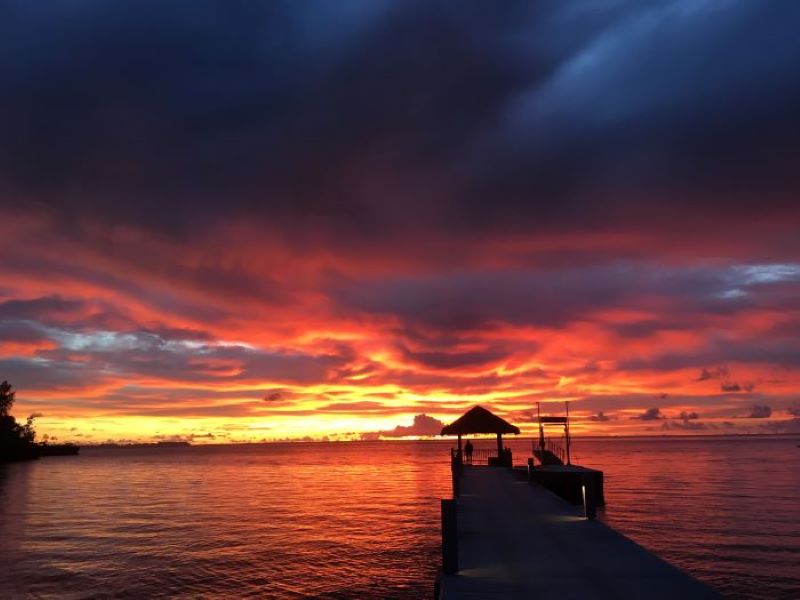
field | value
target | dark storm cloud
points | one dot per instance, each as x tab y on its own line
455	360
41	309
104	357
651	414
600	417
760	411
21	331
144	394
674	97
464	301
386	114
133	268
733	386
756	350
191	101
717	373
56	375
78	315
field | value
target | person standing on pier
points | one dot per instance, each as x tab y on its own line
468	451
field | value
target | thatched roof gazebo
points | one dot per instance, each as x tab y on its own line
479	420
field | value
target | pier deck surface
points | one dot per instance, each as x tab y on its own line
518	540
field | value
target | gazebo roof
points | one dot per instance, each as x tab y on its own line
479	420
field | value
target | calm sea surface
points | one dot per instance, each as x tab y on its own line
361	520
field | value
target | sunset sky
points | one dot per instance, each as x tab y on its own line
228	221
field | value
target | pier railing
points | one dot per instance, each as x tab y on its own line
480	456
554	448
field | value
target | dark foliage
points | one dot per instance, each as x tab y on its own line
16	440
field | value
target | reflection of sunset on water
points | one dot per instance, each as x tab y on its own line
258	518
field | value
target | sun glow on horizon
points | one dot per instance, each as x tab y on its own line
300	271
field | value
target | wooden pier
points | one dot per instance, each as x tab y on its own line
514	539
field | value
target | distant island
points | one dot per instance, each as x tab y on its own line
133	445
47	449
18	441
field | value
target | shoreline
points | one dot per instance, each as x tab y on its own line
437	440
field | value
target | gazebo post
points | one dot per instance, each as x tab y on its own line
500	446
459	445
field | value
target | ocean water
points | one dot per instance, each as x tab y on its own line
361	520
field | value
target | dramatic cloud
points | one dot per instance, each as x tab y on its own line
600	417
423	425
303	219
760	411
717	373
732	386
651	414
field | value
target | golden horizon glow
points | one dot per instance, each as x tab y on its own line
114	346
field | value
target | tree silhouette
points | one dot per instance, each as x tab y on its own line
16	441
7	395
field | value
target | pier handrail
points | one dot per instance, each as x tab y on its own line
480	456
485	456
556	448
553	447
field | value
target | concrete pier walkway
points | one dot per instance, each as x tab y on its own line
518	540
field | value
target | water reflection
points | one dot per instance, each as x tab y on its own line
361	520
276	521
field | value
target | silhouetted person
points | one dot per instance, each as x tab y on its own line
468	450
